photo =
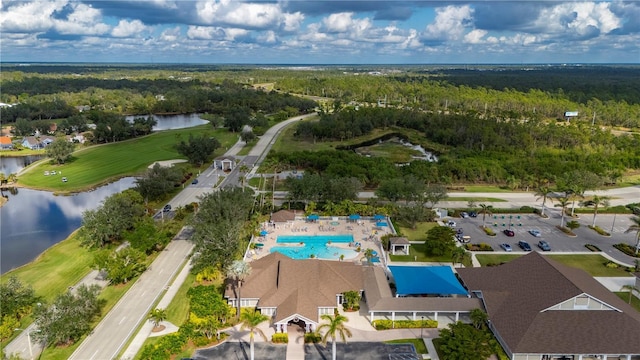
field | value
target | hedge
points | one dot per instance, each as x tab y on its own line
627	249
280	338
404	324
599	230
312	337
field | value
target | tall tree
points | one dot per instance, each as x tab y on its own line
433	194
238	271
478	318
198	149
563	202
250	319
157	316
597	201
335	326
542	192
157	181
440	241
464	342
635	226
60	150
107	223
69	317
485	210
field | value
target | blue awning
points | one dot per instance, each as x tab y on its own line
354	217
378	217
313	217
381	223
426	280
264	233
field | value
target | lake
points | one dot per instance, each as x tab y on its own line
12	165
32	220
168	122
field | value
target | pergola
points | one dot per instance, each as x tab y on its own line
399	245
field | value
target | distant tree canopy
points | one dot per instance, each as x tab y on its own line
198	149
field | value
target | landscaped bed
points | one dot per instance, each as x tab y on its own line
594	264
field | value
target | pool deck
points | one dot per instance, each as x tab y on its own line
364	231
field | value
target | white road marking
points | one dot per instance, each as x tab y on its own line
122	320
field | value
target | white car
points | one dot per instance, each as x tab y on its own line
451	223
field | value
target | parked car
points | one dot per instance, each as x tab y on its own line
505	247
524	245
166	208
535	232
544	246
509	232
64	179
464	215
195	181
451	223
473	214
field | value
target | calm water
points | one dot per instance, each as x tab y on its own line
32	221
315	239
316	245
167	122
11	165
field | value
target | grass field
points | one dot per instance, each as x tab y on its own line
100	164
60	266
417	253
593	264
419	233
635	302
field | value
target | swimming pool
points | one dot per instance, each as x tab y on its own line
315	239
316	245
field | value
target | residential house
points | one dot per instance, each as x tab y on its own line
37	143
5	143
539	309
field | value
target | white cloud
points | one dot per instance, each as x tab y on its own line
171	35
292	22
84	20
578	19
268	37
450	23
128	28
28	16
475	36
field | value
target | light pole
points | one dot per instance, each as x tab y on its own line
421	325
29	340
614	222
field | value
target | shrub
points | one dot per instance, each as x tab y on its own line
592	247
312	337
404	324
611	265
566	230
599	230
487	230
281	338
478	247
627	249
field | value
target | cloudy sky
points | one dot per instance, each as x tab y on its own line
320	32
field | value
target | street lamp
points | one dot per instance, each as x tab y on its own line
28	340
421	325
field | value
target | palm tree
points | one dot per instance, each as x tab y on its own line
563	202
596	202
243	170
369	255
156	316
542	192
574	193
335	324
484	210
250	319
238	271
635	227
458	254
631	289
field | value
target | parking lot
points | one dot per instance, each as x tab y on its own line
558	241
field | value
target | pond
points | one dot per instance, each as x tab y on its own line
12	165
32	220
168	122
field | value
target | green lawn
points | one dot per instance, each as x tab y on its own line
99	164
473	198
417	253
593	264
421	348
59	267
419	233
635	302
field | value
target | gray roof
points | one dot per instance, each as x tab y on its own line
399	241
517	295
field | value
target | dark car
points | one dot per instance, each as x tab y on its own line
473	214
195	181
524	245
509	232
544	246
166	208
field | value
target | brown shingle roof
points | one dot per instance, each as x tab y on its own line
299	286
399	241
283	216
517	294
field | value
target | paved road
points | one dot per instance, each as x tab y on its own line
118	325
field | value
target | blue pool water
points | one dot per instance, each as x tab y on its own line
315	245
314	239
